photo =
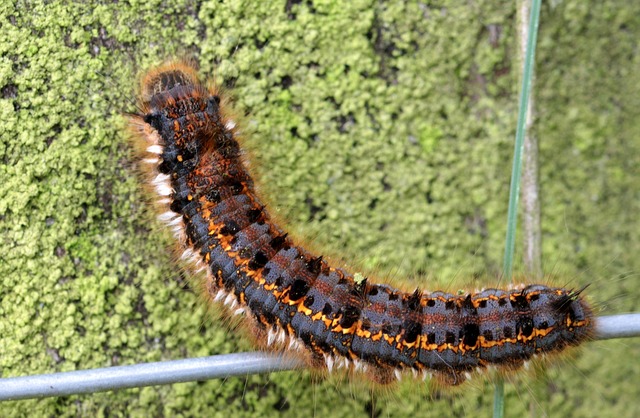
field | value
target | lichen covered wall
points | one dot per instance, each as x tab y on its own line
382	132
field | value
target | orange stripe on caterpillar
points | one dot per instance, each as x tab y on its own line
294	296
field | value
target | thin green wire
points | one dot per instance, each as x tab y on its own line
514	192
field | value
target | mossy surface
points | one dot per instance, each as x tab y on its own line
383	132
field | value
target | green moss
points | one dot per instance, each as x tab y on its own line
383	131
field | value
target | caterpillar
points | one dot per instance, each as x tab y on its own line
296	300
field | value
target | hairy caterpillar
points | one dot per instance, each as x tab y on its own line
295	299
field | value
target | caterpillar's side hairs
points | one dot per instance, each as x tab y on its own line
296	300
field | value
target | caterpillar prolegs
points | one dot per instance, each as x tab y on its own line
296	299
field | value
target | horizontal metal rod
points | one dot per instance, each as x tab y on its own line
204	368
145	374
618	326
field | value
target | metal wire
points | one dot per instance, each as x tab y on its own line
204	368
138	375
618	326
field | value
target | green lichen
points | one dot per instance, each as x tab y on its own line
383	131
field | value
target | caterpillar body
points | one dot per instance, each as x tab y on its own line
297	300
